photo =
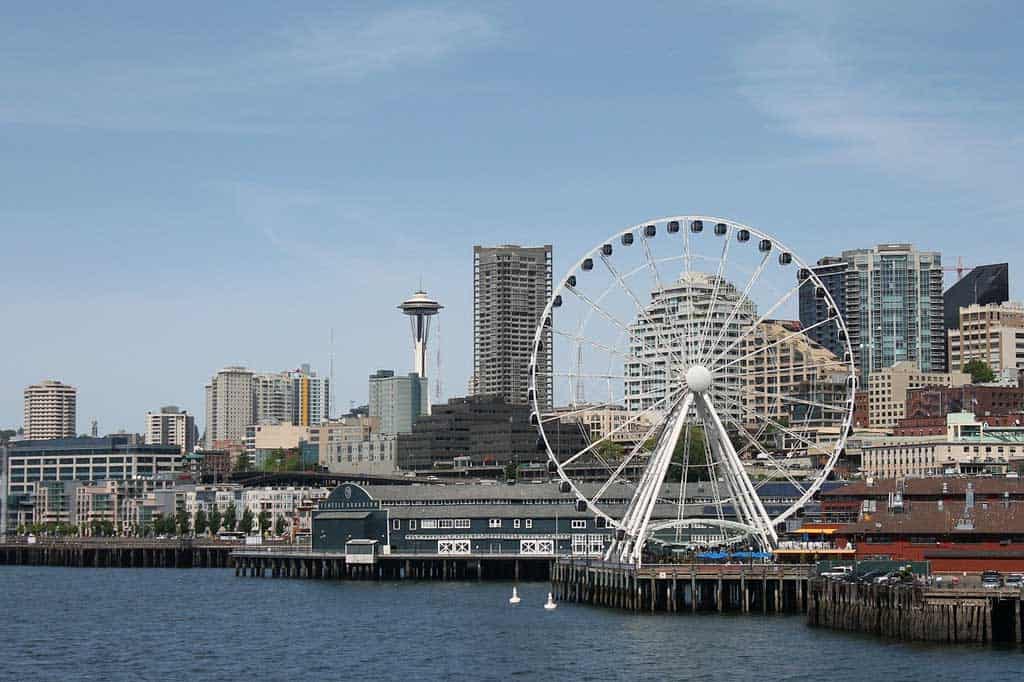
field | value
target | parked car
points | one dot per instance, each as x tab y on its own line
991	579
1014	580
837	572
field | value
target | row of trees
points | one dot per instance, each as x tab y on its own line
215	522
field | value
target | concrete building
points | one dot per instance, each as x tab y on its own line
86	459
613	422
511	288
891	299
273	398
887	390
993	333
229	405
657	341
397	401
171	426
50	411
983	285
797	367
355	445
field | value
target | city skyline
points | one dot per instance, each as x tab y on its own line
258	220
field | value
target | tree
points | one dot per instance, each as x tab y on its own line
242	462
264	520
279	525
511	471
980	371
246	525
230	518
610	451
215	521
201	524
182	522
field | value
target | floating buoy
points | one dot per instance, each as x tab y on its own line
514	599
551	603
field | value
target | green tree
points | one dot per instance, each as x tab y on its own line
230	518
279	525
182	522
980	371
215	521
242	463
246	524
610	451
264	520
201	523
511	471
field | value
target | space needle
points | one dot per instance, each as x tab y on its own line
420	308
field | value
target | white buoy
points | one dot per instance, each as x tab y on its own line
514	599
551	603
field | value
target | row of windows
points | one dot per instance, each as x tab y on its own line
464	524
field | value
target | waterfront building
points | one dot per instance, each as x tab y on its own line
983	285
887	390
50	411
171	426
86	459
229	405
993	333
658	341
82	503
398	401
891	300
511	287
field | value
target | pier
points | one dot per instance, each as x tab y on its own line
118	553
955	615
681	588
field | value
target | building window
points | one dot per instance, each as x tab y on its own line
515	523
529	523
412	524
494	523
462	523
396	524
579	523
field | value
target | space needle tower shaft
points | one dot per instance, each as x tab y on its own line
420	308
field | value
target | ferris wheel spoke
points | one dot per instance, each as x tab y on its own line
641	311
553	416
772	460
789	369
719	276
795	401
656	273
597	345
749	330
618	429
743	300
758	415
773	344
634	451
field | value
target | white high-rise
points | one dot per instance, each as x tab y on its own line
229	405
50	410
666	337
171	426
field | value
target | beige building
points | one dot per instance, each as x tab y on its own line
614	422
229	405
993	333
171	426
887	390
50	411
793	368
356	445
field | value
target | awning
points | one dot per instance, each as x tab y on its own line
817	531
341	516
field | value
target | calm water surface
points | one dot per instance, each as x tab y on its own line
95	624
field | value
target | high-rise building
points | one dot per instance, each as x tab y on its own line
50	411
660	337
397	401
171	426
311	397
891	300
273	397
982	285
832	273
229	405
993	333
511	288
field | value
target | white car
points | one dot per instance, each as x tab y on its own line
838	572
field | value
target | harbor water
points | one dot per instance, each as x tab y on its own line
92	624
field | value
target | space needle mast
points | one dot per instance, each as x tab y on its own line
420	308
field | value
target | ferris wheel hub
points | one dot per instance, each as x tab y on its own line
698	378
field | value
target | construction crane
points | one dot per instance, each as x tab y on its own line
959	268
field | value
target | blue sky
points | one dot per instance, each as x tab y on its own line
189	185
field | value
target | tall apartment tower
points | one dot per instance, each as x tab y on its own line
511	287
891	299
171	426
311	397
50	411
229	405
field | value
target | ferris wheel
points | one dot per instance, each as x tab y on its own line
673	349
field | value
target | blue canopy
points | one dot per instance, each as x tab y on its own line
712	555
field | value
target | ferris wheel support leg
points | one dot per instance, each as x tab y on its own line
743	489
639	514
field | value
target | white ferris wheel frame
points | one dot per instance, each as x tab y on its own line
636	528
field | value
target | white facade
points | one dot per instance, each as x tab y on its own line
375	454
229	405
50	411
171	426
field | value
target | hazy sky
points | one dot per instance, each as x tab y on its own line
189	185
